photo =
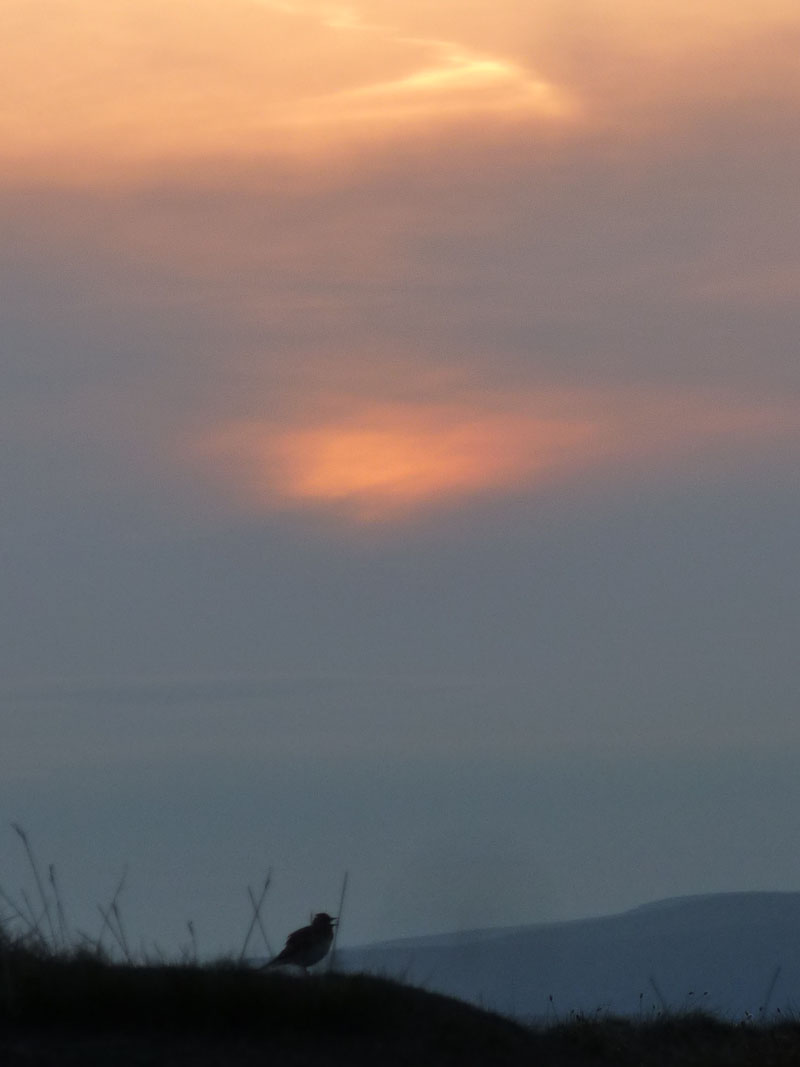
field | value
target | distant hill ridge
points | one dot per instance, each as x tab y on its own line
717	900
731	953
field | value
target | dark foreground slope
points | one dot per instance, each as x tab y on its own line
85	1012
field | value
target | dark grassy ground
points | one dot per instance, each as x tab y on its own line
69	1010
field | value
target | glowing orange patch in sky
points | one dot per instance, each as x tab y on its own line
380	461
138	81
109	90
388	460
134	83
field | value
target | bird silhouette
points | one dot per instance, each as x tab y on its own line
308	945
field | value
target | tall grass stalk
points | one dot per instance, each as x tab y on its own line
256	919
108	912
661	998
39	883
121	931
771	989
193	936
16	911
63	929
332	957
108	924
34	922
257	912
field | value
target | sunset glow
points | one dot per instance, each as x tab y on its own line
385	461
115	87
114	84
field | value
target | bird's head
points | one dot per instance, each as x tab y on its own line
323	920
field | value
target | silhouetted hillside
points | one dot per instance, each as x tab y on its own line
82	1011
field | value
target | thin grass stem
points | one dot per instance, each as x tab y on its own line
121	929
332	957
257	911
15	909
34	923
106	912
193	936
256	919
39	884
63	929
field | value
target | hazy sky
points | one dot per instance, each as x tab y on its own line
400	416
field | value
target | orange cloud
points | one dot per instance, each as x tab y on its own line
381	461
116	89
119	84
386	460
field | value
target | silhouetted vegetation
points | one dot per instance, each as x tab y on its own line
63	1008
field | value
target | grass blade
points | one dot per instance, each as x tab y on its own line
256	905
39	884
331	958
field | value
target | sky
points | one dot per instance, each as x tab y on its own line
400	445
